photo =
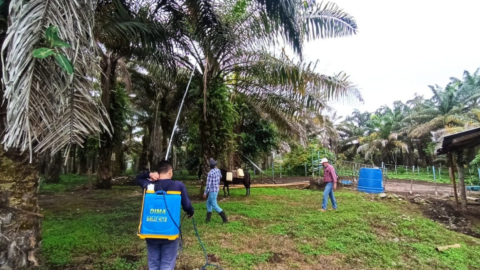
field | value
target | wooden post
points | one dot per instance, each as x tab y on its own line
305	171
461	179
450	155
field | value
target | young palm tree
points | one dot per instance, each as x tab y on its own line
384	141
350	135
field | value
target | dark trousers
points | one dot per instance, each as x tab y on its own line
162	253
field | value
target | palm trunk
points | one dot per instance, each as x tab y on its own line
94	166
74	159
19	212
461	180
143	159
104	171
52	167
108	82
82	158
118	164
205	155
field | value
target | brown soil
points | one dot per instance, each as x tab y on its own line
445	212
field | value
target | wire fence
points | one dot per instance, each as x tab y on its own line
346	169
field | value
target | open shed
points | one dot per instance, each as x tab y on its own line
456	143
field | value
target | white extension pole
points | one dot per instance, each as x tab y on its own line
178	115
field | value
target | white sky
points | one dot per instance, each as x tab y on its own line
401	48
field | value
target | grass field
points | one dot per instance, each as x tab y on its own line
272	229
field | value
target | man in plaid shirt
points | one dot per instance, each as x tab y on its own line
211	190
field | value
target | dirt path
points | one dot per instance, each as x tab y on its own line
418	187
392	185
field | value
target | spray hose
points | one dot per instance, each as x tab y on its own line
207	264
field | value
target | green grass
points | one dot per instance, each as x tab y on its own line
67	182
99	229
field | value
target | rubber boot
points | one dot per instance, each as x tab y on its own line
209	215
224	217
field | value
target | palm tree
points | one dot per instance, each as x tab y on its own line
158	94
52	103
226	41
383	141
49	106
124	31
350	135
446	108
469	88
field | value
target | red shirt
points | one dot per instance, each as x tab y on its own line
329	174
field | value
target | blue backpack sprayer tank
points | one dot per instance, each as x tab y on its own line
160	216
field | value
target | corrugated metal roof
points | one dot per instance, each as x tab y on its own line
458	141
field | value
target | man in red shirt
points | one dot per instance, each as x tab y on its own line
329	177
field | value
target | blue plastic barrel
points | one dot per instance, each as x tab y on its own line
473	188
346	182
156	221
370	181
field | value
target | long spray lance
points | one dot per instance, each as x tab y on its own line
178	114
207	263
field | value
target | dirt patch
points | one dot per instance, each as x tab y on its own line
436	203
446	213
130	258
213	258
276	258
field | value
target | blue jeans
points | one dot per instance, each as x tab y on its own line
212	202
162	253
329	193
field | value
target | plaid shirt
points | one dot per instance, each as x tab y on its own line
213	181
330	175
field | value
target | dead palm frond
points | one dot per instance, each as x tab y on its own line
45	104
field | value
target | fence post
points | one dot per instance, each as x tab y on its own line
411	181
395	168
418	170
273	167
313	173
281	166
318	162
478	173
434	180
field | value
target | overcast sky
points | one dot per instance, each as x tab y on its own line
401	48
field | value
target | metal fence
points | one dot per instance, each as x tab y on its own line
439	174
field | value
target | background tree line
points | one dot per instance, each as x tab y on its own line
408	133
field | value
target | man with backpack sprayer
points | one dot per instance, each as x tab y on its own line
330	177
162	253
211	190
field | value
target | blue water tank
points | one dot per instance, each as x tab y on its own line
370	181
156	220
